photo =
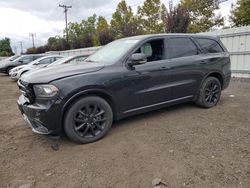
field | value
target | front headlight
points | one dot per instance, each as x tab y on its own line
45	91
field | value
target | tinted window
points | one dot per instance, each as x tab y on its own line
209	45
181	47
153	50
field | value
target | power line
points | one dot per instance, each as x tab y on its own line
66	8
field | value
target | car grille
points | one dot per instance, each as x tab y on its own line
26	90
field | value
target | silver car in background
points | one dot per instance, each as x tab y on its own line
16	72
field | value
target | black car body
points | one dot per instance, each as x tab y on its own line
7	65
150	72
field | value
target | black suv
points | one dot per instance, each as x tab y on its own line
126	77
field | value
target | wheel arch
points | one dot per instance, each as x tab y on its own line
9	68
217	75
91	92
23	71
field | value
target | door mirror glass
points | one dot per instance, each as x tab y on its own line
137	59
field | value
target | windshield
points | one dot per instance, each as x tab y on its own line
110	53
60	61
12	58
19	58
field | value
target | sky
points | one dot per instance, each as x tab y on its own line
19	18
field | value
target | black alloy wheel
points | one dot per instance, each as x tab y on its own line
88	119
210	93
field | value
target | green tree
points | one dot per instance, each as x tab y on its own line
150	17
202	15
240	13
103	31
56	43
75	30
5	48
38	50
83	34
123	22
176	20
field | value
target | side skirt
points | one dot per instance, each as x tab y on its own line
156	106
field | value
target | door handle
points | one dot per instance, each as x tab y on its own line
203	62
165	68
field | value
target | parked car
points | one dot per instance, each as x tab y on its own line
16	72
69	60
12	58
126	77
22	60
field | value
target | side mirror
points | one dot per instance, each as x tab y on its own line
20	61
137	59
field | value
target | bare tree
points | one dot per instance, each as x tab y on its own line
176	19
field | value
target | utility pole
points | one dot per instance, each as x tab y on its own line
15	50
21	45
66	8
32	35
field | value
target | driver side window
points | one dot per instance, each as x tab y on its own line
154	50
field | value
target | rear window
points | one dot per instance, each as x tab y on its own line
182	47
209	45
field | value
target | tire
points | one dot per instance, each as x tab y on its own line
209	93
88	119
8	70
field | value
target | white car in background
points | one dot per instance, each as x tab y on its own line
16	72
12	58
73	59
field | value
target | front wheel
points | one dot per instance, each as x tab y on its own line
210	92
88	119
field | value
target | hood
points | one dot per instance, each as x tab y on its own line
49	74
19	67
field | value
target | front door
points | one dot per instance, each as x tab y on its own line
147	85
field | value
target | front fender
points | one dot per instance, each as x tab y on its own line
101	92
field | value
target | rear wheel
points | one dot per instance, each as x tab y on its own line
88	119
210	92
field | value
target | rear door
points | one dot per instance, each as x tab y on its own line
186	66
